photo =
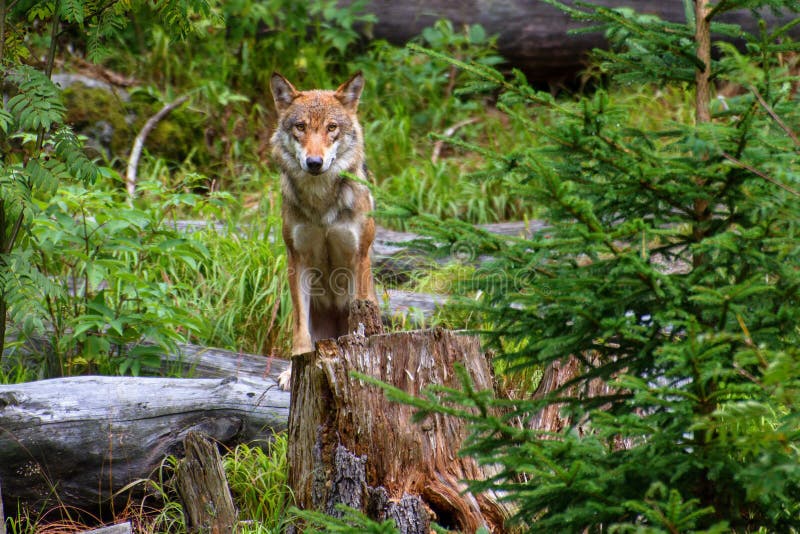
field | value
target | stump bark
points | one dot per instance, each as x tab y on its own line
348	444
204	489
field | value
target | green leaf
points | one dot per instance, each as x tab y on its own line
6	121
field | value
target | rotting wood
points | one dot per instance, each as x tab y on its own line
203	488
364	318
556	380
349	444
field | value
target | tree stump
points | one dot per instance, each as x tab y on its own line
204	489
348	444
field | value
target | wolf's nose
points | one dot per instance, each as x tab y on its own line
314	163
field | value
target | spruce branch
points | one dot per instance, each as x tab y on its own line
760	174
775	117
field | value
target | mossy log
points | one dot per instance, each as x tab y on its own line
349	444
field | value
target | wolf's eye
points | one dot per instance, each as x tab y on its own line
332	127
300	126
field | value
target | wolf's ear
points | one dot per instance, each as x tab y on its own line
350	91
282	91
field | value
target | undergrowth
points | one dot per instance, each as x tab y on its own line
256	474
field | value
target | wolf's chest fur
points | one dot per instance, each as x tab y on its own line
318	200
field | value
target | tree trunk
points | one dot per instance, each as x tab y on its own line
82	439
348	444
532	35
204	489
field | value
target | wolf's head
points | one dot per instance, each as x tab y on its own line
318	131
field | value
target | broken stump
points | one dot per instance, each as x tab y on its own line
349	444
204	489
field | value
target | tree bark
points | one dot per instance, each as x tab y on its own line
348	444
82	439
203	488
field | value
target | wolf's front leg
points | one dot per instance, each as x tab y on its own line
301	305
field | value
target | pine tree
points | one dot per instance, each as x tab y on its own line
670	269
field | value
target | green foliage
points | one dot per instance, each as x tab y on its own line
37	151
70	259
669	271
37	104
117	306
256	475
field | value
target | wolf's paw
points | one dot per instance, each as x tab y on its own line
285	379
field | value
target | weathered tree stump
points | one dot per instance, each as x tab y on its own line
204	489
349	444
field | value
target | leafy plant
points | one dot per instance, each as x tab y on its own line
38	151
38	154
118	306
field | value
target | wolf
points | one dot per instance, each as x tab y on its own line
327	226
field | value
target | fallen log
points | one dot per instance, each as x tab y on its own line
532	35
198	361
119	528
79	440
348	444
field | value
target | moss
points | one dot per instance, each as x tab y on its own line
89	110
176	135
111	124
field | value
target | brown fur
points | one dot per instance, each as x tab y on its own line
326	224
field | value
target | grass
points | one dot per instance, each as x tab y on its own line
258	480
241	287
